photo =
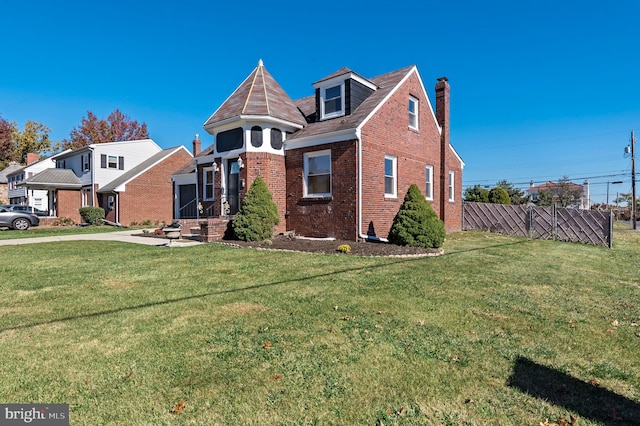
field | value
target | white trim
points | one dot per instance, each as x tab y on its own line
457	156
322	138
451	186
305	171
251	120
121	187
415	114
393	91
342	77
394	171
206	183
323	91
428	175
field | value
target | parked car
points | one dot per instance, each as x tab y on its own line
17	220
26	209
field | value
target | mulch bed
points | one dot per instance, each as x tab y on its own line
281	242
284	242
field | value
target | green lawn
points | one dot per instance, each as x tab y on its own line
50	231
123	333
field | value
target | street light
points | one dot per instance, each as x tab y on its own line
612	183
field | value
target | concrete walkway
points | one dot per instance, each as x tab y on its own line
123	236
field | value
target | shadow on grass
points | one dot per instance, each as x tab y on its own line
587	400
236	290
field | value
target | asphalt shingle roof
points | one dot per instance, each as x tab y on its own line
54	178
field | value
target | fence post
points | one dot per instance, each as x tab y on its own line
610	229
554	221
530	220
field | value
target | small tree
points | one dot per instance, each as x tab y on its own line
499	195
416	224
258	214
476	194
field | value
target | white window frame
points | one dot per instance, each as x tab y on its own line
111	165
307	156
86	162
394	176
452	188
111	201
206	183
323	99
87	199
413	115
428	190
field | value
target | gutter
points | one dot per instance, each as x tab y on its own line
360	234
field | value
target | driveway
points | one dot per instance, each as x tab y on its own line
123	236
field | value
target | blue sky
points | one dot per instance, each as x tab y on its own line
539	90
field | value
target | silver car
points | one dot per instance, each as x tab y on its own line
17	220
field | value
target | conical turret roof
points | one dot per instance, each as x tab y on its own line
258	95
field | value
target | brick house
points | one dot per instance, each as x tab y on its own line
338	162
131	180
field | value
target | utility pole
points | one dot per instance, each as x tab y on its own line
633	181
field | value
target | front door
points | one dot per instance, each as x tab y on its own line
233	186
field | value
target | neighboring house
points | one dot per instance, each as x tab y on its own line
338	163
4	183
101	174
18	194
554	187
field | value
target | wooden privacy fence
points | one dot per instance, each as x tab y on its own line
544	223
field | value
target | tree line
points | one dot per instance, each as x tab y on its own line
564	193
16	142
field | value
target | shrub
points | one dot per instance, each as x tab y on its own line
344	248
499	195
258	214
416	224
92	215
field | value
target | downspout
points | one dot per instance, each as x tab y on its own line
197	193
360	234
93	178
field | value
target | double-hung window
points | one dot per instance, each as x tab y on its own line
317	174
207	182
390	176
428	189
413	113
452	177
332	101
86	162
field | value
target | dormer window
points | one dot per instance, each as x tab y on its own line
332	102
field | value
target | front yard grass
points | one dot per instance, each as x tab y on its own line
123	333
51	231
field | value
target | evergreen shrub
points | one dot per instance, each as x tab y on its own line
416	223
92	215
258	214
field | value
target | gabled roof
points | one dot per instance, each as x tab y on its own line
552	185
82	149
53	179
116	184
258	95
11	168
386	84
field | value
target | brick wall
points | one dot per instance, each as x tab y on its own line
271	168
150	195
388	133
68	204
335	216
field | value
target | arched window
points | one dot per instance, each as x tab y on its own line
256	136
276	139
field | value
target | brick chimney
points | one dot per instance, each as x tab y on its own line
196	145
442	115
32	157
